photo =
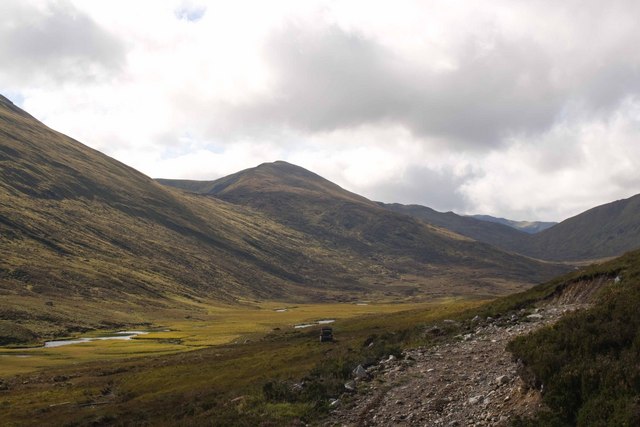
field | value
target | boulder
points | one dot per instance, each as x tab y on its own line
502	379
350	386
359	372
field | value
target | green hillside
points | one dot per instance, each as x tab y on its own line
80	231
399	244
604	231
87	241
588	363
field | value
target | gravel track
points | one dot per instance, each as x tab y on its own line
469	381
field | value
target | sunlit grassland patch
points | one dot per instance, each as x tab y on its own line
208	326
236	351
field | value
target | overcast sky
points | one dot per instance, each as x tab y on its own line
522	109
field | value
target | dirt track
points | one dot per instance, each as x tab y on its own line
471	381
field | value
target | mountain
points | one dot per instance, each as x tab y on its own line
400	246
601	232
530	227
87	241
604	231
495	234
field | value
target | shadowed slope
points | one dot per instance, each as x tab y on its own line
604	231
399	243
498	235
80	230
530	227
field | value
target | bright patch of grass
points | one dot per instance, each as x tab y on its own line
213	325
221	382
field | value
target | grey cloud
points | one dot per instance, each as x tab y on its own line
437	189
325	81
331	79
58	43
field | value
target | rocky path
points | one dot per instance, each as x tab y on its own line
470	381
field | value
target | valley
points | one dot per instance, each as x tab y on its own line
90	243
216	372
225	284
212	325
319	214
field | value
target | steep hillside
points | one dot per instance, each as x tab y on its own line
398	243
604	231
84	239
530	227
495	234
588	363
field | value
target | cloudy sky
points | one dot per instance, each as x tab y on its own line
522	109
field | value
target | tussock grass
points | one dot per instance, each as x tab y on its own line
216	383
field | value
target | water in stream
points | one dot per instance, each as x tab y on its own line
122	335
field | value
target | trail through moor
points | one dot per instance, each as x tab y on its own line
469	381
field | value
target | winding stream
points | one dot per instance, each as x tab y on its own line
122	335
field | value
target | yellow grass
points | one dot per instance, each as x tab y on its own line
215	325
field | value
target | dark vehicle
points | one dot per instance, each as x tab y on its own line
326	334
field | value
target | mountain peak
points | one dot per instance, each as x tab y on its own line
282	169
6	103
270	177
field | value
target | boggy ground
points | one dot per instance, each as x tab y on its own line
470	381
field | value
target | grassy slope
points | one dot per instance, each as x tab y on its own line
604	231
86	241
589	362
234	384
251	383
308	203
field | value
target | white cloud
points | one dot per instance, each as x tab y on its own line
574	166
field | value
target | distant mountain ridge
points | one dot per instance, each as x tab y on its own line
495	234
604	231
310	204
530	227
601	232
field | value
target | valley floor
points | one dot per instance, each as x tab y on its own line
206	327
469	382
210	369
